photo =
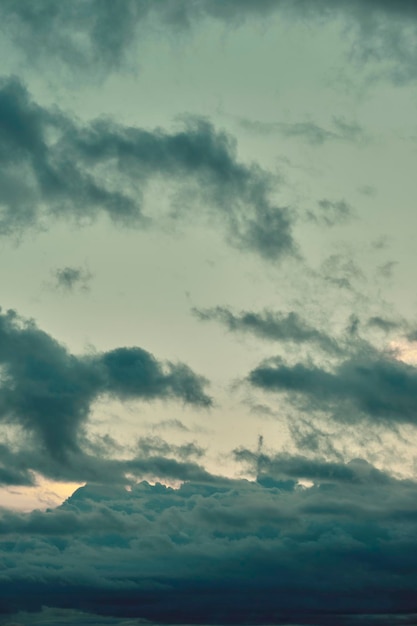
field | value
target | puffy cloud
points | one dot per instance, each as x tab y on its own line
221	550
53	166
49	392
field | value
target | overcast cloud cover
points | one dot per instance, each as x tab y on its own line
208	357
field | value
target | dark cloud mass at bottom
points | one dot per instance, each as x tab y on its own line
223	551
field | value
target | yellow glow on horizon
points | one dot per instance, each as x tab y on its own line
45	494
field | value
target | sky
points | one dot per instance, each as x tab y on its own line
208	328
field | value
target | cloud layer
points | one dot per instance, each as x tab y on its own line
223	551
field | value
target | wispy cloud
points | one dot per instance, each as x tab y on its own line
269	325
308	131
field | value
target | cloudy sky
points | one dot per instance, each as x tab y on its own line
208	328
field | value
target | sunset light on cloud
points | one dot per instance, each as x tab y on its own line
44	494
405	351
208	328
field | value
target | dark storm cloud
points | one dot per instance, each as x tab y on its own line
54	167
271	326
96	36
49	392
13	471
224	551
367	384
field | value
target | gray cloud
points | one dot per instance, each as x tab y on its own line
170	424
77	171
152	445
93	464
13	471
367	384
175	555
385	31
49	392
68	278
92	35
269	325
296	467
